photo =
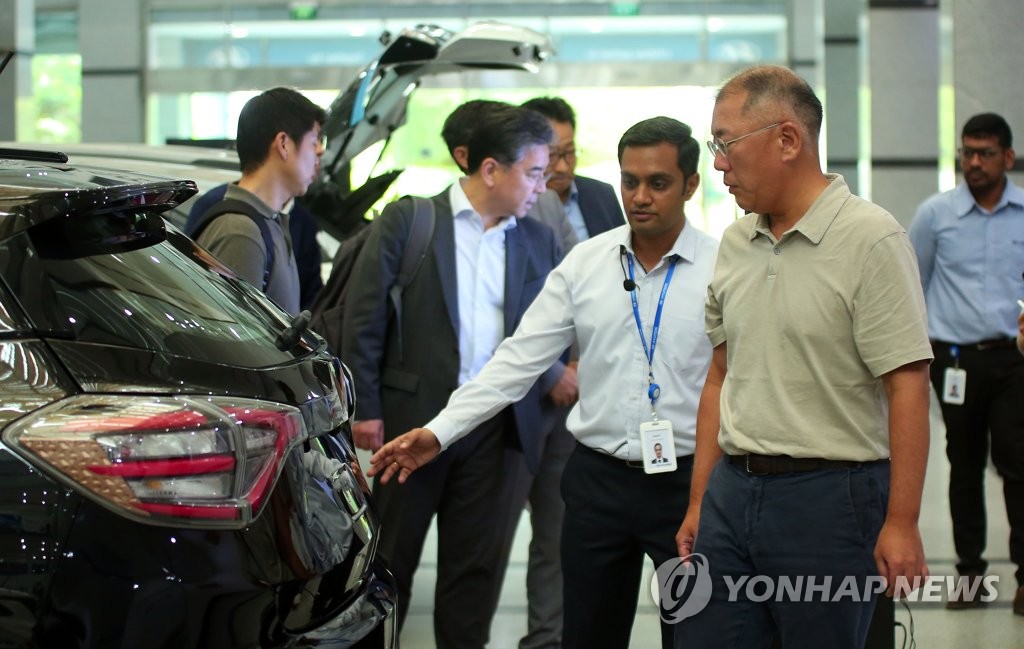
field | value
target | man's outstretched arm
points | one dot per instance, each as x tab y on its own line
404	454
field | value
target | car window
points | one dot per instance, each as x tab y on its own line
160	297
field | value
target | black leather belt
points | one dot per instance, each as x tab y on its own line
779	464
983	345
633	464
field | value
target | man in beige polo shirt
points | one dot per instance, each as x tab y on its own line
812	429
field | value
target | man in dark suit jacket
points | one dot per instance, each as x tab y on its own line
459	125
591	205
482	270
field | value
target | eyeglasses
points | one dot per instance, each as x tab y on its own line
966	153
568	154
535	176
321	140
720	148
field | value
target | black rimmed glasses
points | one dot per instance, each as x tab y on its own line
718	147
986	154
568	154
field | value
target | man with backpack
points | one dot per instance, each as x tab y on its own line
279	144
303	228
538	489
482	269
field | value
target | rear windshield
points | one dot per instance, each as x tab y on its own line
129	282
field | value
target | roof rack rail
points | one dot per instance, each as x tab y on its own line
33	155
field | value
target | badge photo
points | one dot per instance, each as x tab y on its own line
954	386
659	448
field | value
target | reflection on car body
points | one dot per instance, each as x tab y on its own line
171	473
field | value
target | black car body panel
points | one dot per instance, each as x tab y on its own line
103	305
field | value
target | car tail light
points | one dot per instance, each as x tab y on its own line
172	460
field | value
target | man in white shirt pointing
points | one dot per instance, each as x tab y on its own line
633	297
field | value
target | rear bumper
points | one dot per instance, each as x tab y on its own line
369	623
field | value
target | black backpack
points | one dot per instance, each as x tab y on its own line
235	206
329	308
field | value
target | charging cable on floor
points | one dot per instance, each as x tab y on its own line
908	629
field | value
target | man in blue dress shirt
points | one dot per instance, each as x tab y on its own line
970	247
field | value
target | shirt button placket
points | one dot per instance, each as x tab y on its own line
773	262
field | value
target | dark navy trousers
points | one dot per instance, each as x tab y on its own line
766	537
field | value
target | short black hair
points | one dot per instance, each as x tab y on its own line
554	108
270	113
989	125
460	123
503	133
660	129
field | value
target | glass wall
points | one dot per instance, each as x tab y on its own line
616	64
614	69
54	113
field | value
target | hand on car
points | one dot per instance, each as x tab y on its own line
404	454
368	434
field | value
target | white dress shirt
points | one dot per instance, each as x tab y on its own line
583	298
575	215
480	276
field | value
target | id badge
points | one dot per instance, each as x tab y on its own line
658	445
954	386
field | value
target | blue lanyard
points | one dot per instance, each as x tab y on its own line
653	389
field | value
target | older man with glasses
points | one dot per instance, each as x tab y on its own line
812	428
970	247
484	266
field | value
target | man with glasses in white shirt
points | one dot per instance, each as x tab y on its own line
633	299
484	266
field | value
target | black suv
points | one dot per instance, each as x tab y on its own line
175	466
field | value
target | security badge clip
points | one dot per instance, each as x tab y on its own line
653	392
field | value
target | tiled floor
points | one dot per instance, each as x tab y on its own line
934	627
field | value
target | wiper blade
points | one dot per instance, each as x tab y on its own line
291	335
